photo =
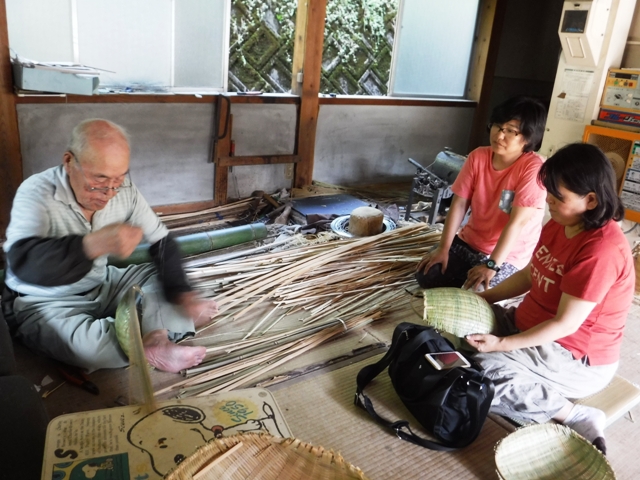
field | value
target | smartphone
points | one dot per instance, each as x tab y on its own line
446	360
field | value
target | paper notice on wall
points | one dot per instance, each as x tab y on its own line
572	100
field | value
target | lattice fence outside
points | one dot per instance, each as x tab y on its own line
357	52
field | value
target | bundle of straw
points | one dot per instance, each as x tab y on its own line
278	305
246	209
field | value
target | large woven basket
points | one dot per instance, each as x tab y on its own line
458	312
550	452
263	457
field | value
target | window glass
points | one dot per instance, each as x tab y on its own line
40	29
145	45
432	51
358	41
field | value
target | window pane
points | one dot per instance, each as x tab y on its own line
41	29
433	47
130	38
201	43
357	46
261	45
148	44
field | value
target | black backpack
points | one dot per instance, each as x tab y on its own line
451	404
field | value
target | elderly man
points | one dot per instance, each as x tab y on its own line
61	295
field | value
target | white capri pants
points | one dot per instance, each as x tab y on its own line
532	384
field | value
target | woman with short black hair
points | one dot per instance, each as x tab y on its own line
499	184
563	341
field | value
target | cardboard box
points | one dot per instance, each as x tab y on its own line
50	79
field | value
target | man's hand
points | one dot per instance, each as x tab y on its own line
118	239
432	258
485	343
201	310
478	275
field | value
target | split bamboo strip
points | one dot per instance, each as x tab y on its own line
329	287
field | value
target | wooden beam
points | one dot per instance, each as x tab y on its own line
309	107
223	149
299	46
10	156
267	98
394	101
257	160
492	15
189	207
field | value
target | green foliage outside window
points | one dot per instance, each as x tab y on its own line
357	46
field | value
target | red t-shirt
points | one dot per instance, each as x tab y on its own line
595	265
492	194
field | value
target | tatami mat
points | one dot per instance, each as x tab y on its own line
320	411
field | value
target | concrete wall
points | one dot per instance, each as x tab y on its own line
171	143
371	144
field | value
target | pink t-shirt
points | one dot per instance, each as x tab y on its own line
595	265
492	194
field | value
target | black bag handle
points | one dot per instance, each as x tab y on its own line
402	429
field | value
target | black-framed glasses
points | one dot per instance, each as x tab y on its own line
507	131
101	189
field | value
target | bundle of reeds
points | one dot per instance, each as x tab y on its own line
278	305
247	209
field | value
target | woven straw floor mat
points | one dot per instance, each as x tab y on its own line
321	411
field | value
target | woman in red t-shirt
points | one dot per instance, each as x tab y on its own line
563	341
500	185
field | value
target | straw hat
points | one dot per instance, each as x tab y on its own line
458	312
263	457
550	451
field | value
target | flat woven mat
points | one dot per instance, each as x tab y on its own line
321	411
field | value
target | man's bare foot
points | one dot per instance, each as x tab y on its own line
165	355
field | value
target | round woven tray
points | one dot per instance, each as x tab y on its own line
263	457
458	312
550	451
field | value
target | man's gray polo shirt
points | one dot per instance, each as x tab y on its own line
45	206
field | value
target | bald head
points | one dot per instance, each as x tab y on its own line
97	155
95	133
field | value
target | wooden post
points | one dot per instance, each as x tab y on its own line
223	149
492	14
10	156
309	103
299	46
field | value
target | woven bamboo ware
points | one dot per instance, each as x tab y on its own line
330	287
636	264
458	312
263	457
550	452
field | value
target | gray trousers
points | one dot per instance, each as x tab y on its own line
80	330
533	384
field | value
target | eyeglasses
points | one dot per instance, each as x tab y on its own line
509	133
101	182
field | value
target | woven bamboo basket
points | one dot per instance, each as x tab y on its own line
263	457
636	264
550	452
458	312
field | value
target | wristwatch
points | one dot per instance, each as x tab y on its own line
492	265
